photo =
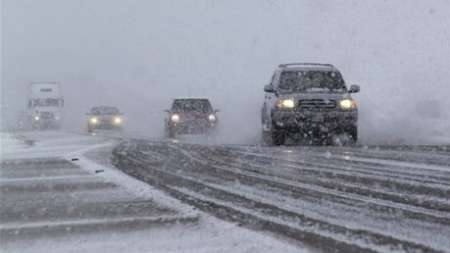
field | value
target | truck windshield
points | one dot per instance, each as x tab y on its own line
46	102
192	105
311	81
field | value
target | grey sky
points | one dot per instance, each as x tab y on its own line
139	54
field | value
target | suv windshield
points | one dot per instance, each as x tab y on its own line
311	81
104	111
191	105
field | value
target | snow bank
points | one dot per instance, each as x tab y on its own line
209	236
10	143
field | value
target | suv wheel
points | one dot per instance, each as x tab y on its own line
354	134
171	134
266	137
344	139
278	137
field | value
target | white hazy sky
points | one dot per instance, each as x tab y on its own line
138	54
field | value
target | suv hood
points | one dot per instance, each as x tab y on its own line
325	96
105	116
193	115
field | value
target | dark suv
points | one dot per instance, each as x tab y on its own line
309	100
190	115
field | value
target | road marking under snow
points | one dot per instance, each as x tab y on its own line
93	222
394	163
44	178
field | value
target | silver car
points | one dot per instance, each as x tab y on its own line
104	118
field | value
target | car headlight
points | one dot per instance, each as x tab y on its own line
175	118
347	104
36	118
286	103
94	120
212	118
118	120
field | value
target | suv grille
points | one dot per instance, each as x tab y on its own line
316	104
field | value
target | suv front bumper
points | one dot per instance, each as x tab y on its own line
104	126
192	127
325	121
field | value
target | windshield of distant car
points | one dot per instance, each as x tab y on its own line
104	111
311	81
191	105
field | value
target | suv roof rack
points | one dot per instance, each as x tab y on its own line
304	64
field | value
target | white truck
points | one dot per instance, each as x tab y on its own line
45	105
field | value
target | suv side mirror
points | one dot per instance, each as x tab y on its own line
354	88
269	88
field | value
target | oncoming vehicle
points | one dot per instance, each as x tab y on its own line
45	105
190	116
309	100
104	118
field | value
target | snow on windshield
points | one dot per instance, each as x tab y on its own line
191	105
104	110
311	81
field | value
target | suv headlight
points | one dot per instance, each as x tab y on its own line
212	118
94	120
347	104
118	120
286	103
175	118
36	118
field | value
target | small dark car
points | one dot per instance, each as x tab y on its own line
104	118
309	100
190	116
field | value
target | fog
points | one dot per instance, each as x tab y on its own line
138	55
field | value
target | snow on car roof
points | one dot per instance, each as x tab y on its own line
309	67
190	98
306	66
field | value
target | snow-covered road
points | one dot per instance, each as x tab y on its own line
59	193
379	199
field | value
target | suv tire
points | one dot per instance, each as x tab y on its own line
271	138
354	134
278	137
171	134
350	137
